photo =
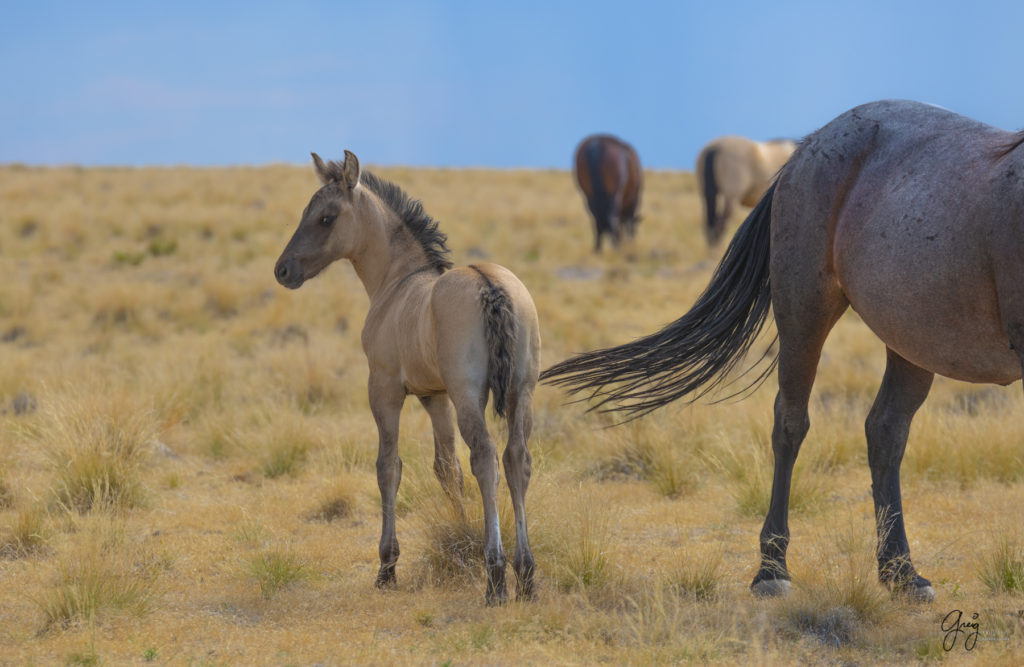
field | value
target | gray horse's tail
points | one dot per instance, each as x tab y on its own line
695	354
500	333
710	193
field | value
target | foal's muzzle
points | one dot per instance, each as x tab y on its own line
288	273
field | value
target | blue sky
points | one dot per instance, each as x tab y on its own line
463	84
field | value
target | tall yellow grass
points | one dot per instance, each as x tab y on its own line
187	453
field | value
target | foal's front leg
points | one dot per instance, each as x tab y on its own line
386	404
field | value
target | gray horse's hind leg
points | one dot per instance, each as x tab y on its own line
518	462
791	424
446	465
804	318
904	388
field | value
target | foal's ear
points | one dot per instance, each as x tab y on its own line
321	169
350	170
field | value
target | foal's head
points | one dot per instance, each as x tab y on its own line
327	228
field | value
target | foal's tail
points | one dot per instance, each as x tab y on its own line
710	194
697	351
500	333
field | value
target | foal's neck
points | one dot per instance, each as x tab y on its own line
384	258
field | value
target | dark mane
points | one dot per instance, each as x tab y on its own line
422	227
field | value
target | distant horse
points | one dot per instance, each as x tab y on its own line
736	170
910	214
435	332
608	173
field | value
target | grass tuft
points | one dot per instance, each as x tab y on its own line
97	452
6	494
284	458
698	578
582	557
671	474
28	534
840	597
274	570
338	504
1002	569
453	539
100	579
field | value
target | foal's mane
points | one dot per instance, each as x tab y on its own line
410	211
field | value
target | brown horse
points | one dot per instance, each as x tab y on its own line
608	173
910	214
736	170
435	332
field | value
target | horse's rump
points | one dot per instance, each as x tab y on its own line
608	173
919	217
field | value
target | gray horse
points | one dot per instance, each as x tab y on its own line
910	214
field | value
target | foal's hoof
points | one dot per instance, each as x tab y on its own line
771	588
497	594
386	578
524	581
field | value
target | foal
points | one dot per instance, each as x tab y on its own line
445	335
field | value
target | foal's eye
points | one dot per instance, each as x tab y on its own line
327	220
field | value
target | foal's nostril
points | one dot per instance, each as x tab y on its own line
281	271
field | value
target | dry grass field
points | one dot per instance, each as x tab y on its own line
187	454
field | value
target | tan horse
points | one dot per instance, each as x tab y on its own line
437	333
736	170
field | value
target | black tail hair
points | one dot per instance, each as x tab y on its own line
710	191
697	351
500	333
600	200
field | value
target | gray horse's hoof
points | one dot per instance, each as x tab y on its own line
771	588
922	594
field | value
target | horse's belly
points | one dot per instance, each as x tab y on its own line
419	367
968	351
933	303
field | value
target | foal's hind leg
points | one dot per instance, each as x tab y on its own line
483	459
446	465
517	462
904	388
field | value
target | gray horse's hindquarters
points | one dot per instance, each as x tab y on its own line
911	214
